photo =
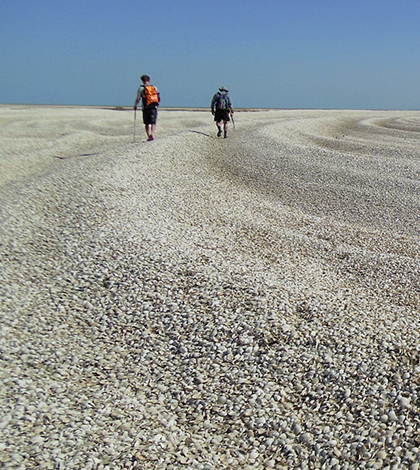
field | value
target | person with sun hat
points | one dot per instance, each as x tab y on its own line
221	108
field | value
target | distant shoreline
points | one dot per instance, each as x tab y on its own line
127	108
188	109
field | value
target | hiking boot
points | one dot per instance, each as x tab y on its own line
150	138
219	133
225	136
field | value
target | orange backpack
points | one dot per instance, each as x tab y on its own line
151	95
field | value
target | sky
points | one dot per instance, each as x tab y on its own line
330	54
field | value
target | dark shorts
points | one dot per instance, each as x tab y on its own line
221	115
150	116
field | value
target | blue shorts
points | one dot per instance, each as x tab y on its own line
150	116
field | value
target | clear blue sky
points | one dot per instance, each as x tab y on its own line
357	54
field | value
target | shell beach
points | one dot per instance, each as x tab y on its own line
205	304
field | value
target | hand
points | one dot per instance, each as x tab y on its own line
212	113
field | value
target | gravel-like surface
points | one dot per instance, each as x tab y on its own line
203	303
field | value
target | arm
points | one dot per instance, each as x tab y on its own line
138	98
213	102
230	105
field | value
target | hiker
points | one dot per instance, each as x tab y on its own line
150	97
221	108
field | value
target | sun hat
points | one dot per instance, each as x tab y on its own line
223	88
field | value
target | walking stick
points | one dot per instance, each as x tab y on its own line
231	116
135	118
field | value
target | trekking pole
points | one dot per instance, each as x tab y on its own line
135	118
231	116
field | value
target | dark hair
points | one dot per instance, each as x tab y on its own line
145	78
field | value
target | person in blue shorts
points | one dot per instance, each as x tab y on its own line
221	108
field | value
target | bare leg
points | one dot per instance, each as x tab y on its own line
225	126
153	130
150	130
219	126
